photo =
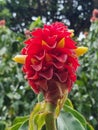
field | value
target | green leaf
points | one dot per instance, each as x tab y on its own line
40	120
2	125
36	23
66	121
20	119
89	127
15	127
78	116
75	114
19	126
40	97
37	116
20	123
68	102
24	126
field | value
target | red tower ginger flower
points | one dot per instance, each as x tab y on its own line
50	60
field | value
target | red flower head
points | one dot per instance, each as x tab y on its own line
2	23
94	15
50	56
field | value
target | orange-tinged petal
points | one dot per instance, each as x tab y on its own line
61	43
20	58
33	60
81	50
48	58
43	42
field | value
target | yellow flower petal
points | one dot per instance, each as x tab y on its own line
33	60
20	58
72	32
61	43
81	50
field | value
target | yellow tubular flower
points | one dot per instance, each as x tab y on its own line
21	58
81	50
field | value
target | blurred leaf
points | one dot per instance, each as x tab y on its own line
66	121
75	114
2	125
84	94
3	51
69	103
39	120
20	123
24	126
37	117
89	127
13	87
36	23
40	97
20	119
15	127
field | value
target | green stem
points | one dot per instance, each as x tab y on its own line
50	117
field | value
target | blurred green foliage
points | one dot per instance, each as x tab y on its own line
16	98
4	11
85	91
